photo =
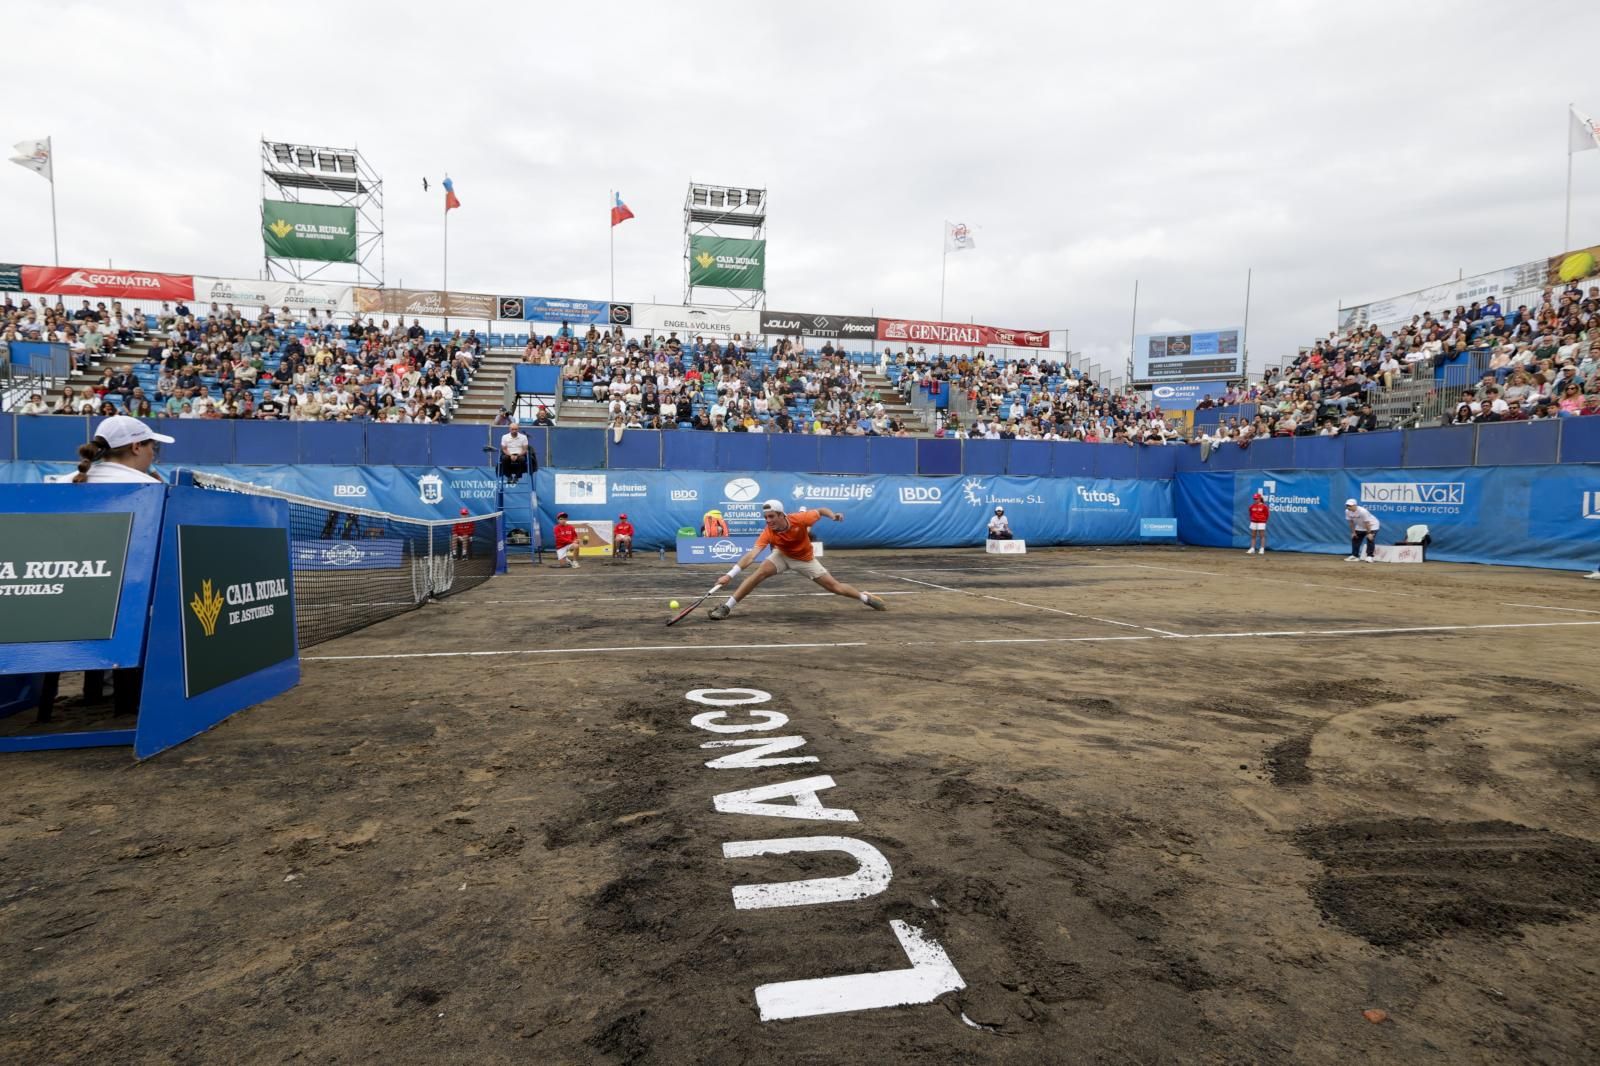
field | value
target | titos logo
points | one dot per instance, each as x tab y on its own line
1096	496
680	495
725	550
921	494
742	489
349	490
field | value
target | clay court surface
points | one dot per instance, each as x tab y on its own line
1156	805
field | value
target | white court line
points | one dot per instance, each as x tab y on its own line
1019	603
1272	580
685	594
1542	607
681	648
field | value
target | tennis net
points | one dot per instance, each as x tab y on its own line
353	567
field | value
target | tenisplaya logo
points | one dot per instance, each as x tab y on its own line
742	489
725	551
349	490
430	488
342	555
580	488
1415	497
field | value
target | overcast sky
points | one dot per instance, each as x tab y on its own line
1346	152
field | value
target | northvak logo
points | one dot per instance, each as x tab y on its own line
206	605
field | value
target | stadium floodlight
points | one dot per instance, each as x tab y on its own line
700	196
327	161
305	157
347	163
716	198
281	151
753	197
733	197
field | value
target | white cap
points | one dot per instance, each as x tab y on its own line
1349	503
773	505
118	431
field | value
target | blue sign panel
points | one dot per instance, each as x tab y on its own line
1150	528
543	309
379	554
1185	395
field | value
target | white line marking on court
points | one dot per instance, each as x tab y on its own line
1019	603
685	595
1270	580
680	648
1542	607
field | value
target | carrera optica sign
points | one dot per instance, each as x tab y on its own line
119	284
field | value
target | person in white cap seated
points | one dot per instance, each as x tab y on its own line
789	537
999	525
1363	528
123	450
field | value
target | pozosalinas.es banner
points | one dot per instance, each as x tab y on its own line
247	296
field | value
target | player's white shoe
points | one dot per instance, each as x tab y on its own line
1595	576
1263	550
1369	559
1249	551
1351	559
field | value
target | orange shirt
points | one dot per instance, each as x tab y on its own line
795	542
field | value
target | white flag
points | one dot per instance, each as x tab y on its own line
1584	135
35	155
958	237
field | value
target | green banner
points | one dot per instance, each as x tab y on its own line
61	575
309	231
727	263
238	615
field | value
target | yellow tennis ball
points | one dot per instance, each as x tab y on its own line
1576	266
673	605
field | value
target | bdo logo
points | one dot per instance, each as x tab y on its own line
742	489
921	494
349	490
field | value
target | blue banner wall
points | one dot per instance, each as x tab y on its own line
1545	516
881	511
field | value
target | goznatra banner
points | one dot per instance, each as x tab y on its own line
727	263
247	295
425	303
309	231
912	331
117	284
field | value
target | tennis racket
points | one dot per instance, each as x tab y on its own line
684	612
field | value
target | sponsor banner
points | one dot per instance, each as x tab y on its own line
10	277
117	284
1188	356
435	493
1511	287
621	314
912	331
1185	395
424	303
247	295
1158	527
881	511
61	575
1581	267
690	322
238	609
544	309
843	327
364	554
1005	547
727	262
309	231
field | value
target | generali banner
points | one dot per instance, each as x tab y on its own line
911	331
117	284
425	303
247	295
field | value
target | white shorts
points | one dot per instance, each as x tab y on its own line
781	562
1258	526
566	550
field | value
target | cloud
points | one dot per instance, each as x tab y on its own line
1335	151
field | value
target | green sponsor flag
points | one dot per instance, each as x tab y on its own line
61	575
309	231
727	263
238	610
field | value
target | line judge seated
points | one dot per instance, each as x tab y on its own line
999	525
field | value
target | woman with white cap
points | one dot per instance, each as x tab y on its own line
123	451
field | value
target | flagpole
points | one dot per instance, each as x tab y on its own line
609	200
55	237
1566	232
444	286
1244	340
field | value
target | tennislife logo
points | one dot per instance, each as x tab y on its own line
853	491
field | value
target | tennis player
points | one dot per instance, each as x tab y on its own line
789	537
